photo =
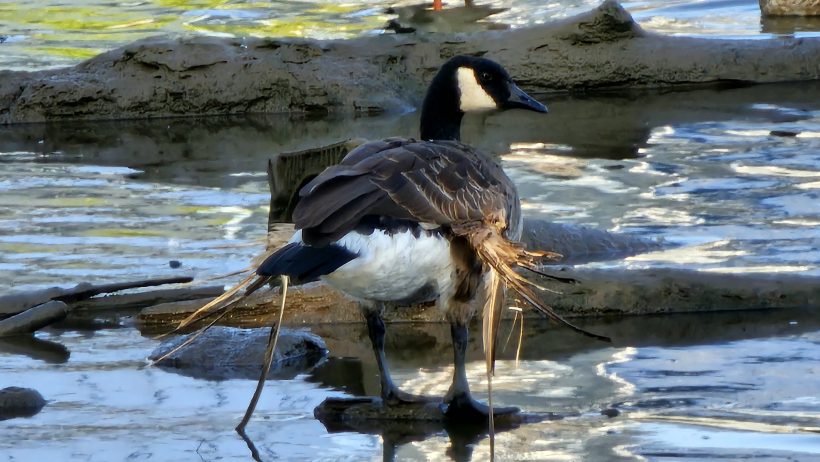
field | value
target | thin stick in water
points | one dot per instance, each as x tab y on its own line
520	314
516	310
272	339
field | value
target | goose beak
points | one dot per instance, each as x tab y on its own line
520	100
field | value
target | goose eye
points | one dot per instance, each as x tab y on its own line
486	76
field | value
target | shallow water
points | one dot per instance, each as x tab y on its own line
722	386
50	33
118	200
699	169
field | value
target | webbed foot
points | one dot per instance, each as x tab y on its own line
464	408
395	397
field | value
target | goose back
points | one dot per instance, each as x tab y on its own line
433	183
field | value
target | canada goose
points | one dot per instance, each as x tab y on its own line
404	220
400	221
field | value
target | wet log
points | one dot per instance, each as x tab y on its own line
313	303
18	302
600	292
603	48
150	298
55	304
33	318
670	290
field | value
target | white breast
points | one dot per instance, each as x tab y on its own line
393	267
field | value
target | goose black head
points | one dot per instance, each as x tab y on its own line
469	84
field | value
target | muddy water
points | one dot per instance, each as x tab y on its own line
701	169
49	33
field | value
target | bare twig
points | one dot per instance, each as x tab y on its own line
272	339
148	298
80	292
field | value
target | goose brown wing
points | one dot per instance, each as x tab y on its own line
442	183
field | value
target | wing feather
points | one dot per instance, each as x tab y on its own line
438	182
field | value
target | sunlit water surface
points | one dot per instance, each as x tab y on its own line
731	177
731	386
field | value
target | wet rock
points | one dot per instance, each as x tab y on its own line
400	424
20	402
224	353
603	48
784	133
610	412
582	244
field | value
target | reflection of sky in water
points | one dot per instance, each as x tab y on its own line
734	199
718	401
737	198
82	222
106	406
678	382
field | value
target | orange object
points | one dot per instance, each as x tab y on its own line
436	5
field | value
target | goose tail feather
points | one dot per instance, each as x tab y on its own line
503	256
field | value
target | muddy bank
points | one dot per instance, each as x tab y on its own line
603	48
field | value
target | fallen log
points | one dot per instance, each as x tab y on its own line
33	318
143	299
603	48
18	302
54	304
600	292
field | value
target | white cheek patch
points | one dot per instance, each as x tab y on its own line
473	95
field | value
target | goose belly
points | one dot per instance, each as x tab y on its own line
394	267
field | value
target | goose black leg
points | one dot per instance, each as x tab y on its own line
390	393
460	404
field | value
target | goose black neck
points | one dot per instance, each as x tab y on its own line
440	113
